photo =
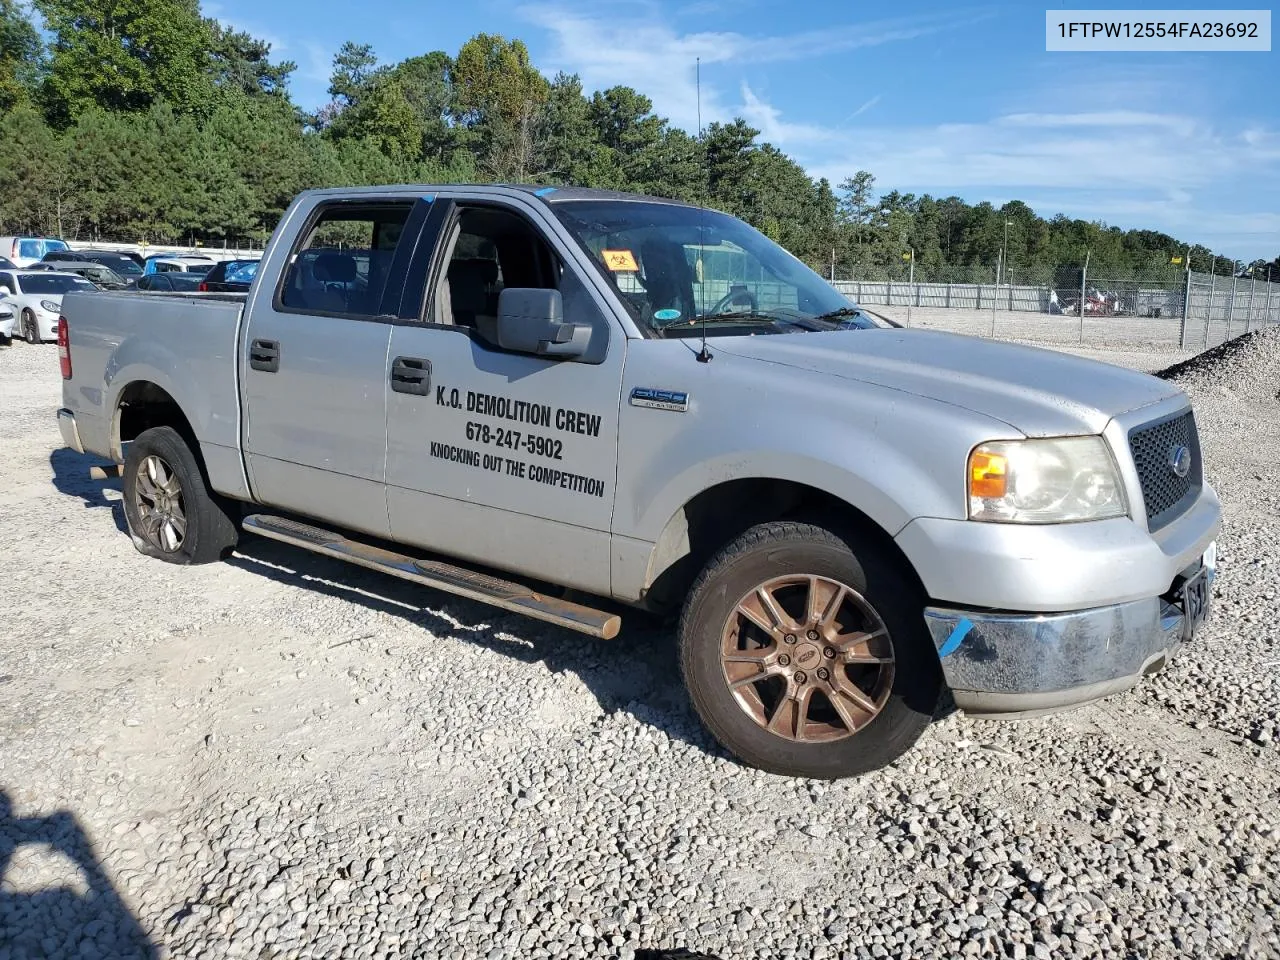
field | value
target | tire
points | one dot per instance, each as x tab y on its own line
171	513
876	642
30	327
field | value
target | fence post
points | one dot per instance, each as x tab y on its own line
1231	305
1186	307
1084	278
1248	317
912	291
949	294
1268	297
995	300
1208	314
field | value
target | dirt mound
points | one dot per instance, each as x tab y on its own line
1248	366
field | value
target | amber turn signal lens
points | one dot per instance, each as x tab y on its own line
987	474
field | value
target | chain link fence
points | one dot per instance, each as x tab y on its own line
1170	310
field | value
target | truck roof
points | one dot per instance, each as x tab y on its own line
549	194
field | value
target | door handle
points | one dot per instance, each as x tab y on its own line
264	355
411	375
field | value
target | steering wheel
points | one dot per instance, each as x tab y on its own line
733	295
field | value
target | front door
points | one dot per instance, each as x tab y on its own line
315	361
506	455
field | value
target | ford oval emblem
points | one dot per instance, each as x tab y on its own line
1180	460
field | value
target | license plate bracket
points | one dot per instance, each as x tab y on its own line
1194	596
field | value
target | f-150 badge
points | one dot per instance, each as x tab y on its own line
660	399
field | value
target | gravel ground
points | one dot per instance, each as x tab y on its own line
283	756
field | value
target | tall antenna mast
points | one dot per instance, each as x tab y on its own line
703	355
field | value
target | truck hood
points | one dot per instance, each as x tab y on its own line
1040	393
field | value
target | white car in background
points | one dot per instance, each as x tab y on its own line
35	296
178	263
24	251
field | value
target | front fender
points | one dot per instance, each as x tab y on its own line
892	455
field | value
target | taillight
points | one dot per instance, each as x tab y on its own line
64	348
203	287
13	251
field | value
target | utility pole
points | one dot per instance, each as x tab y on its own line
833	264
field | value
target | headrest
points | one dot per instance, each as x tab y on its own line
659	257
335	268
475	270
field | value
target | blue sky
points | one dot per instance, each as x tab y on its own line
928	95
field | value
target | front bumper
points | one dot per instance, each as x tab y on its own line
1022	664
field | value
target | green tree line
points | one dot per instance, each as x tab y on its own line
144	120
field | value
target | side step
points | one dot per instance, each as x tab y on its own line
440	576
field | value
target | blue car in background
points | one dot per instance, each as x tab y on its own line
230	276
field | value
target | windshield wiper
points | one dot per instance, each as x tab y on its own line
840	312
739	317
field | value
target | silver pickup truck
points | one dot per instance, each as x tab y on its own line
540	397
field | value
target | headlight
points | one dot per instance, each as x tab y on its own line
51	306
1044	481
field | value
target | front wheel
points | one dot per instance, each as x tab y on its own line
30	327
172	514
805	658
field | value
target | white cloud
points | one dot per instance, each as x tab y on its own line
768	120
864	108
646	53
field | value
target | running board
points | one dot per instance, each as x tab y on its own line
438	575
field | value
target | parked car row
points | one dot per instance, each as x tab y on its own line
40	270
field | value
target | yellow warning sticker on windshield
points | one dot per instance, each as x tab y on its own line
619	260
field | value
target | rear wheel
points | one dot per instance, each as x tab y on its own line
805	658
172	515
30	327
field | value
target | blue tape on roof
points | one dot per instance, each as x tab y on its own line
430	198
957	635
544	191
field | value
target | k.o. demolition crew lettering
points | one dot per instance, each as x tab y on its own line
520	411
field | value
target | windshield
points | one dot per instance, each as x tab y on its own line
102	275
674	266
52	283
125	267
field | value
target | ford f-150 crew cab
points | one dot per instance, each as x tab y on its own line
506	391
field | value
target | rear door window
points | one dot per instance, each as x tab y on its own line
340	265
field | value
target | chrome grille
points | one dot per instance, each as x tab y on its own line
1165	494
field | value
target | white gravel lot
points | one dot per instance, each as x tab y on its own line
283	756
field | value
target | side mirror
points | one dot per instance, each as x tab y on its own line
531	320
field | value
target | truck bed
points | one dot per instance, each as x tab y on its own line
186	344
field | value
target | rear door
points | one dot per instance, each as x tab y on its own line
314	362
501	457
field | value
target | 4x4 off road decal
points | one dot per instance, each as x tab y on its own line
660	399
